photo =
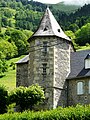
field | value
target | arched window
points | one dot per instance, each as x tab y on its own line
80	89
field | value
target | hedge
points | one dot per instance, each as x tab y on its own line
70	113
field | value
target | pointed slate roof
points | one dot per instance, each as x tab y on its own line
50	27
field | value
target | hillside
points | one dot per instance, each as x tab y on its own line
9	80
65	8
24	14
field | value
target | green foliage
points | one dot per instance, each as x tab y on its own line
3	65
65	8
23	14
8	49
72	36
73	27
83	35
10	108
9	77
71	113
13	42
26	98
3	99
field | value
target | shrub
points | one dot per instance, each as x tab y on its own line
26	98
70	113
3	99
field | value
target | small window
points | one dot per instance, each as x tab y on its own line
44	68
45	46
87	62
80	89
89	87
58	30
45	29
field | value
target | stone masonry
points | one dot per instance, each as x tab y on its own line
73	98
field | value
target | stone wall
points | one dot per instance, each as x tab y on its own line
61	71
37	59
57	59
73	98
22	74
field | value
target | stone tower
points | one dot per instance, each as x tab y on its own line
49	60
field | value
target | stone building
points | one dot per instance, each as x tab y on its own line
53	64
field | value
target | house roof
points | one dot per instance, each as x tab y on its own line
78	64
50	27
23	60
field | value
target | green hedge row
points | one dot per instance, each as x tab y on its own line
70	113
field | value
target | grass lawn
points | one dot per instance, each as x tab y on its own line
9	80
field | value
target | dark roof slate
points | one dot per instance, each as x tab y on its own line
77	65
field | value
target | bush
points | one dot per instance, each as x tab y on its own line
3	99
70	113
26	98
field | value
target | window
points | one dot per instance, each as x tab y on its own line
80	89
89	87
87	62
45	46
45	29
44	69
58	30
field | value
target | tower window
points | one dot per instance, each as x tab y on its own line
45	29
45	46
44	68
58	30
80	89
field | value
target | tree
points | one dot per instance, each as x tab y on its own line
26	98
83	35
73	27
20	40
9	50
3	64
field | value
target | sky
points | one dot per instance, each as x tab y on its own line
75	2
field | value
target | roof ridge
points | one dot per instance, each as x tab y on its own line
48	10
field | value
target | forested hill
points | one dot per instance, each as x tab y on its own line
24	14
